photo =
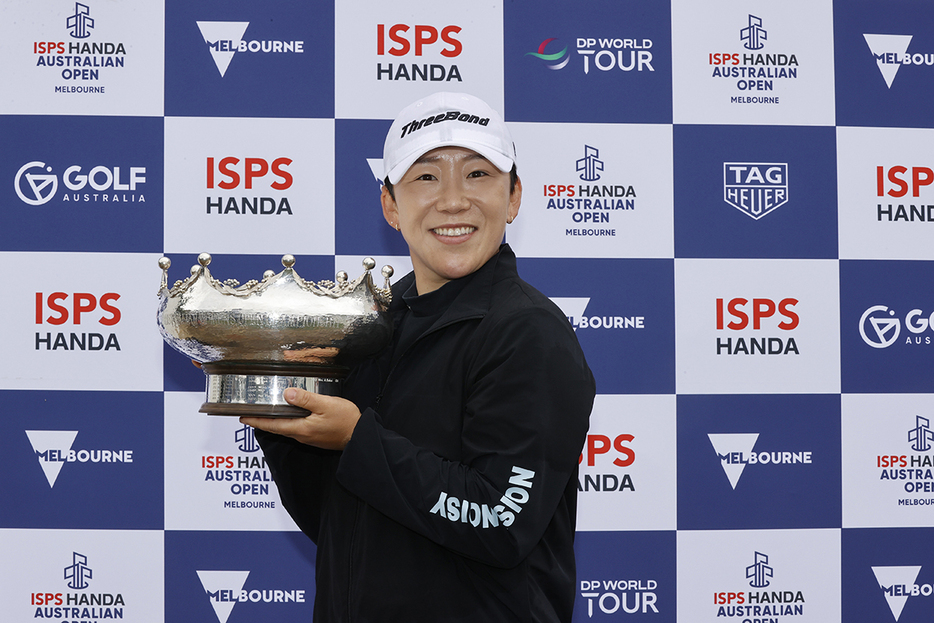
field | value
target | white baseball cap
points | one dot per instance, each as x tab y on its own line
442	120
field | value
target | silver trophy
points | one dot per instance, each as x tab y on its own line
255	340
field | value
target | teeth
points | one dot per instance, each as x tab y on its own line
454	231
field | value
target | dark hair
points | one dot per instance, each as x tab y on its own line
513	178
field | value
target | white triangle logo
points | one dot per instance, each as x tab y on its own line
572	307
889	577
226	35
223	589
880	45
376	167
58	442
733	445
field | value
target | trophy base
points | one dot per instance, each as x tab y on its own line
255	389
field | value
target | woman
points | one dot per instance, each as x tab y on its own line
442	486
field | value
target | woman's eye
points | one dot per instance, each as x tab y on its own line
477	174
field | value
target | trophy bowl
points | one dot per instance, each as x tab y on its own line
257	339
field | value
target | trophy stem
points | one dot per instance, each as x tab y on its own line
244	388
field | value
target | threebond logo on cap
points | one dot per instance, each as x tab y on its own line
451	115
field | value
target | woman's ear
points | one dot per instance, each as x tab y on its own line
390	209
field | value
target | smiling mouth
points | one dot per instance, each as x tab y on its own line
454	231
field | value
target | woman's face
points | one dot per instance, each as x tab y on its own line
452	207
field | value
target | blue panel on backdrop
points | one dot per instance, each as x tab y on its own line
626	329
81	183
360	228
625	574
82	460
888	575
884	63
608	63
886	332
752	462
248	59
755	192
239	576
179	373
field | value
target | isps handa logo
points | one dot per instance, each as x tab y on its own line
82	60
912	471
398	43
592	208
238	176
67	310
753	68
764	601
754	326
245	474
80	604
225	589
53	450
881	327
36	183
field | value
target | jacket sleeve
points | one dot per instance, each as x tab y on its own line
528	399
302	475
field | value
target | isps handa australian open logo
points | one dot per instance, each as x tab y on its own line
81	603
765	599
591	197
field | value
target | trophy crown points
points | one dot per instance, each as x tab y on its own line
288	261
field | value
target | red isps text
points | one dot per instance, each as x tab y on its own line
761	308
253	168
81	303
422	36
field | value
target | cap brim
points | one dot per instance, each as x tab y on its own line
501	161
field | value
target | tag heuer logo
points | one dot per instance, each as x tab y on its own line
755	188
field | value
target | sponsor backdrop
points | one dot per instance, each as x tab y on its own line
733	203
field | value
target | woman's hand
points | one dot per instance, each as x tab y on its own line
329	426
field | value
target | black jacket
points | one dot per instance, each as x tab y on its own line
455	499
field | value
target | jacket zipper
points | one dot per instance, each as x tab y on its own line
379	397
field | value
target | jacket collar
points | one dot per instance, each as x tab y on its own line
474	300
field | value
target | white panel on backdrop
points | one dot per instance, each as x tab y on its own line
725	575
753	62
887	454
249	186
215	472
101	58
628	467
81	321
71	575
389	54
885	193
593	190
757	326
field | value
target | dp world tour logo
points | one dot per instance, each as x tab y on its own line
755	188
754	34
555	60
759	572
921	435
590	164
80	23
78	572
